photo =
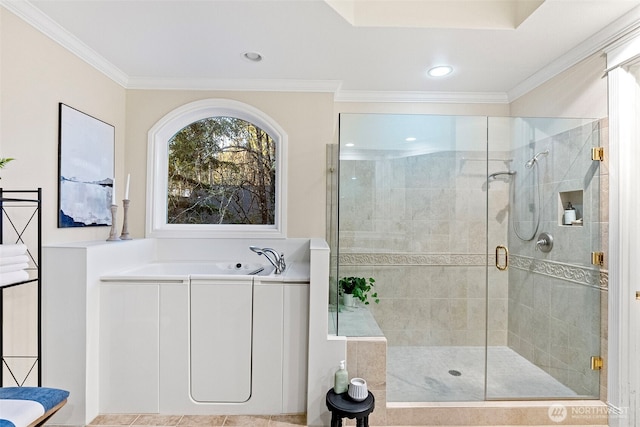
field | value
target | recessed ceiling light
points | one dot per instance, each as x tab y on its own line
410	139
349	144
440	71
253	56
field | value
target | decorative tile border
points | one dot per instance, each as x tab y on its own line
592	277
411	259
586	276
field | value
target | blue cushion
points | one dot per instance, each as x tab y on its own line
47	397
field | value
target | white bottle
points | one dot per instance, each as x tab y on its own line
569	215
341	380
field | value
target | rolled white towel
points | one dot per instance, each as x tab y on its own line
14	260
13	277
13	267
8	250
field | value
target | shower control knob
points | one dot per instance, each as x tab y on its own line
545	242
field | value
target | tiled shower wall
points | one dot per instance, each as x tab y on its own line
417	225
555	317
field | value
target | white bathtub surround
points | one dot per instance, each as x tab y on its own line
128	343
70	318
325	351
219	344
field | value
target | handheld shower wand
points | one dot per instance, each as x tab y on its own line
537	200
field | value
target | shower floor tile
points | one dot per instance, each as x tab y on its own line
456	373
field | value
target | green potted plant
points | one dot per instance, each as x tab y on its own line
357	287
4	161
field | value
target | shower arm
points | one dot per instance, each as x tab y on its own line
495	175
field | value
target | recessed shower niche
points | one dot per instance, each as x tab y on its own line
570	208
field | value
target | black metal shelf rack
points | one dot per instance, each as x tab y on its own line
20	213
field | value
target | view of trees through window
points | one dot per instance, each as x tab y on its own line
222	170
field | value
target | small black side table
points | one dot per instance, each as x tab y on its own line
341	406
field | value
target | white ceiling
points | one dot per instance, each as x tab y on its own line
308	45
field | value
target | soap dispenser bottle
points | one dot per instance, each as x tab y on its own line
569	215
341	380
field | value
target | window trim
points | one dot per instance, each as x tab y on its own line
157	171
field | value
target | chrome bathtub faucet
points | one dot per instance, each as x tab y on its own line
276	259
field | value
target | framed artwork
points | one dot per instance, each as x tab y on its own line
86	169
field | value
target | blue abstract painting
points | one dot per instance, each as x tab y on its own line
86	165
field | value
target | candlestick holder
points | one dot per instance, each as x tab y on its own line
125	223
113	235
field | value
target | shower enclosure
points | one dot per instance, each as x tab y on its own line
479	233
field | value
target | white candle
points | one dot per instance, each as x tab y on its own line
113	192
126	191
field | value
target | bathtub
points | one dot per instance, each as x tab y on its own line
207	337
162	270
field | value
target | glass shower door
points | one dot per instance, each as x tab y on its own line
423	202
411	209
543	216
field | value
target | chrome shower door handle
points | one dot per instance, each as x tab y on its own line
503	249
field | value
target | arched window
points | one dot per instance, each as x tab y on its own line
216	168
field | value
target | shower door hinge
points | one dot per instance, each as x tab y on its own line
596	363
597	153
597	258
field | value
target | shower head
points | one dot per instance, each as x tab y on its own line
534	159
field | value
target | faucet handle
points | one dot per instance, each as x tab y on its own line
545	242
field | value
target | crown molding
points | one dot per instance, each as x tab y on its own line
34	16
604	38
258	85
332	86
629	22
427	97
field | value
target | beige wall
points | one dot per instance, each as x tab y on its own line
36	74
577	92
305	117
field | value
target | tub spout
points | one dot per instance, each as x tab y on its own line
276	259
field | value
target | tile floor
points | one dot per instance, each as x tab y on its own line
456	373
148	420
